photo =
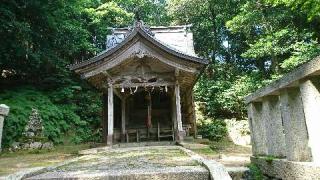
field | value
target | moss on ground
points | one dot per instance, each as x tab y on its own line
225	146
11	162
132	159
224	151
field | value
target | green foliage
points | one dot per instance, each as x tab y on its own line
276	36
59	111
38	39
153	12
301	53
255	172
56	119
87	105
214	130
270	158
223	93
212	38
250	43
311	7
101	17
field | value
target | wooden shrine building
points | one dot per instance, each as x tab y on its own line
147	76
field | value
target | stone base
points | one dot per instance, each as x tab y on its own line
180	135
123	138
109	140
284	169
237	173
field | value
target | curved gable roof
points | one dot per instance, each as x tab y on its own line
140	29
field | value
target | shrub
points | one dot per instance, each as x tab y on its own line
21	101
222	94
87	105
214	130
63	112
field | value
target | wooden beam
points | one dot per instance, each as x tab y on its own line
107	74
144	76
143	84
176	72
110	80
117	93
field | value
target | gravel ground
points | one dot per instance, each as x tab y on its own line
158	162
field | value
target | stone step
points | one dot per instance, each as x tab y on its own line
176	173
144	143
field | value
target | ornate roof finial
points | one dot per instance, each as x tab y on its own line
138	22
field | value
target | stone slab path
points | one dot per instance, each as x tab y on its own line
155	162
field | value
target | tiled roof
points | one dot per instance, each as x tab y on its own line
167	38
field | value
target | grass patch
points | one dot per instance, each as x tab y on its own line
225	146
269	159
207	151
11	162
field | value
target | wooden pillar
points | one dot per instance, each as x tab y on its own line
174	113
194	121
180	132
123	119
110	116
104	119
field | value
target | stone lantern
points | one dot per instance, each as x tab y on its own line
4	111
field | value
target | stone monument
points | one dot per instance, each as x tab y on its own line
33	137
4	111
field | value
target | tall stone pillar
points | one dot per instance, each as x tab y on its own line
110	116
4	111
311	105
295	130
257	128
271	115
